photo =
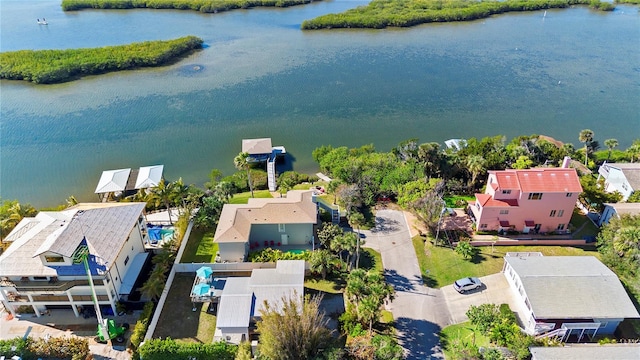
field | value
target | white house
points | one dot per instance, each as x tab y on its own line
243	298
38	268
284	221
615	210
573	296
621	177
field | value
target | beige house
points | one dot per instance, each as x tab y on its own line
266	222
38	271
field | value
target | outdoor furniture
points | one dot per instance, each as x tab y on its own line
272	243
266	243
279	243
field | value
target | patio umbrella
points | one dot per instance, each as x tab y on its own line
201	289
204	272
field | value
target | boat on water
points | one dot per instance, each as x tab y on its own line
42	22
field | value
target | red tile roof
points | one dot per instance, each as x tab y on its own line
486	200
539	180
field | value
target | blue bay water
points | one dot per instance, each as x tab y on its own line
260	76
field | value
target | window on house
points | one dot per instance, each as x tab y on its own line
569	194
483	226
106	280
535	196
506	191
560	227
624	186
126	260
504	212
54	259
281	228
40	278
478	206
560	213
552	214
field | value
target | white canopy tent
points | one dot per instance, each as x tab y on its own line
112	181
149	176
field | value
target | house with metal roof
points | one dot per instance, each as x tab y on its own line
621	177
615	210
244	298
283	221
38	268
126	181
570	297
528	201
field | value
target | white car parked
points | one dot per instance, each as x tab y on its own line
466	284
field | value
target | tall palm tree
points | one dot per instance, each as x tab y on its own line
241	162
356	220
322	261
332	187
586	136
610	143
634	150
14	214
476	165
163	194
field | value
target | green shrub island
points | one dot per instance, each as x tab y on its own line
55	66
206	6
379	14
161	349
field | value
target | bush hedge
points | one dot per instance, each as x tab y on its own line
206	6
140	329
54	66
162	349
402	13
72	348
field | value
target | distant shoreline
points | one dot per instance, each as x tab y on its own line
57	66
205	6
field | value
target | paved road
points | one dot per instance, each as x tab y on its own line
420	312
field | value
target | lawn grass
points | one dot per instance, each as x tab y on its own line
442	266
243	198
583	226
334	284
386	317
370	260
464	332
451	200
178	321
330	286
200	248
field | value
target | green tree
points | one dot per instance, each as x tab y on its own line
244	351
429	209
322	262
209	213
214	178
610	144
327	233
465	249
293	329
476	165
153	287
593	195
357	220
586	137
523	162
241	162
484	316
332	188
634	151
163	194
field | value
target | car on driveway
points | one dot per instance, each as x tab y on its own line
466	284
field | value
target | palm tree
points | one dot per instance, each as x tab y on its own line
241	162
332	187
154	286
322	262
163	194
634	150
610	143
13	215
475	164
586	136
356	220
368	310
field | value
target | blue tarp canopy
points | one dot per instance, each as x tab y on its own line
201	289
204	272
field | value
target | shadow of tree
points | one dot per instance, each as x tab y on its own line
401	282
477	258
384	225
420	338
429	280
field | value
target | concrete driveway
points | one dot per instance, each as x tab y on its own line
495	290
419	312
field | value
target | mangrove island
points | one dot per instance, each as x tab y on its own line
205	6
56	66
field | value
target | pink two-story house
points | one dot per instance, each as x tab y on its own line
529	201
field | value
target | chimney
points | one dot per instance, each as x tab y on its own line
565	162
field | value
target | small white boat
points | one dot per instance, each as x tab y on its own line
42	22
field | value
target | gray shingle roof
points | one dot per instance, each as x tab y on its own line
565	287
105	226
587	352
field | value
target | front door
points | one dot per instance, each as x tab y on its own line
537	228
